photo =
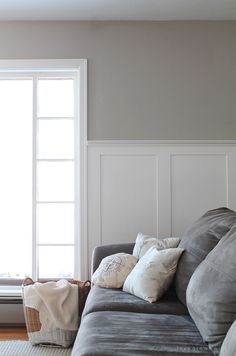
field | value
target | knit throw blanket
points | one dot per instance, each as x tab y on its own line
56	302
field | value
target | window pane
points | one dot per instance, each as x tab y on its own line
15	178
56	138
56	97
55	181
56	261
15	254
55	223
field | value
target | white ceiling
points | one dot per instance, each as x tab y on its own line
117	9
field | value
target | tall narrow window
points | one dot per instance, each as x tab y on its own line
39	185
55	184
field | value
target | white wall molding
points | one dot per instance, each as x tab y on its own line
154	188
160	142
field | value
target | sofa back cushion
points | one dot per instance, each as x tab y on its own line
211	293
228	347
198	241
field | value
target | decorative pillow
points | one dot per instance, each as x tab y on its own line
144	242
199	239
113	270
229	345
153	274
211	293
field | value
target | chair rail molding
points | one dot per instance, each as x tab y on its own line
160	142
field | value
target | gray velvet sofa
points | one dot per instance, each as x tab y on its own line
118	323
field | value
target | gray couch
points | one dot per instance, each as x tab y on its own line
117	323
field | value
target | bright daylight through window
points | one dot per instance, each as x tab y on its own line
38	112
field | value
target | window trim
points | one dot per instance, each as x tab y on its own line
79	67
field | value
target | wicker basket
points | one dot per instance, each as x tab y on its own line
83	290
58	337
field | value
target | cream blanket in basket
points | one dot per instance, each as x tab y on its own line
56	302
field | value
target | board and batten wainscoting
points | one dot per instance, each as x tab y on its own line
155	187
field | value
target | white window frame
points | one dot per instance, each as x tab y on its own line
79	69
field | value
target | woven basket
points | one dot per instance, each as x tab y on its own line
83	290
57	337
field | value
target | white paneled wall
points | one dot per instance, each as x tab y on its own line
198	183
155	188
128	196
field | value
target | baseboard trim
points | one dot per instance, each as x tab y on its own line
11	301
12	325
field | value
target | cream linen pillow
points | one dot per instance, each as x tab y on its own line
153	274
113	270
144	242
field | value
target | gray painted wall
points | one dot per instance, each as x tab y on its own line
147	80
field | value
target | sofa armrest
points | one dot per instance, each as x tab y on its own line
105	250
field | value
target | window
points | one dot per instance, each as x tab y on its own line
41	111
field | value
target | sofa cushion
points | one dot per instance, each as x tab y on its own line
101	299
113	270
229	345
121	334
153	273
198	241
144	242
211	294
102	251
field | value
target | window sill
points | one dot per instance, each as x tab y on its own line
10	292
